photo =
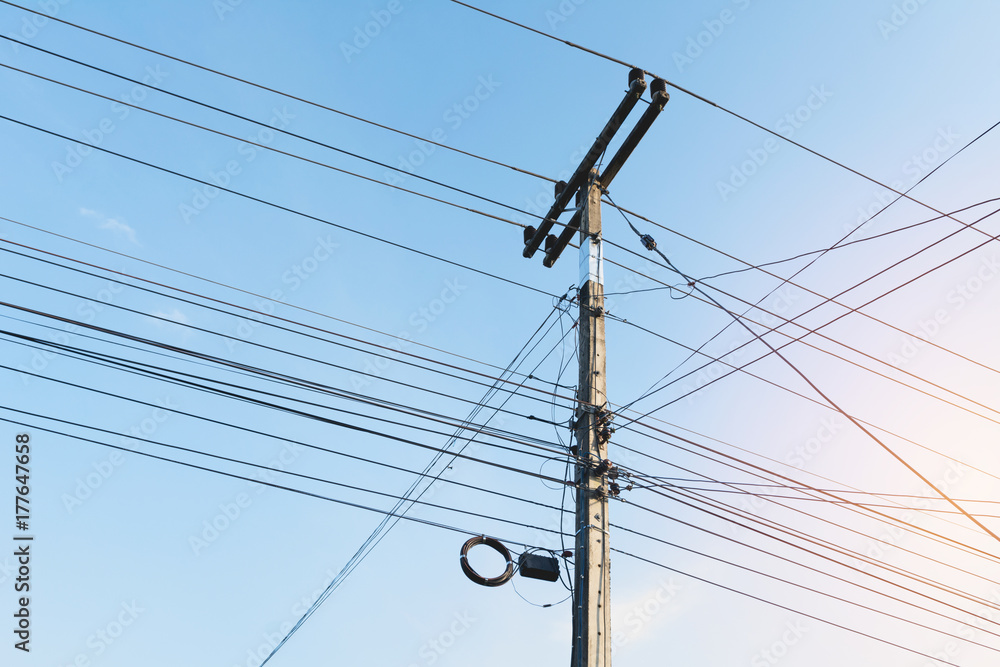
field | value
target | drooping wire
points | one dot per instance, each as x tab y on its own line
833	404
50	17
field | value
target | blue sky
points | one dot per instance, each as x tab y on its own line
141	561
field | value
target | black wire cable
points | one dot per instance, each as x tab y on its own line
803	535
280	207
839	243
388	523
259	466
270	90
808	491
263	482
258	296
147	370
694	504
765	473
838	246
755	494
286	153
325	420
823	593
248	370
781	606
772	383
815	330
328	451
216	333
825	299
350	395
774	133
877	494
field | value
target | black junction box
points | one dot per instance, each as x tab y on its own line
535	566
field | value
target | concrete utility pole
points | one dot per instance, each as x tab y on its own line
595	474
592	582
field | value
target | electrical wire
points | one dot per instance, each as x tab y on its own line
258	296
385	526
764	473
263	482
271	315
774	133
286	209
288	153
267	89
781	606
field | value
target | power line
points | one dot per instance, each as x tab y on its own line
838	246
259	296
822	543
286	208
213	308
288	153
761	473
250	464
325	420
825	299
815	330
780	606
698	97
410	496
272	484
270	90
178	377
756	471
817	591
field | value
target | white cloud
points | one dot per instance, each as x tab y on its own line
173	315
113	224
